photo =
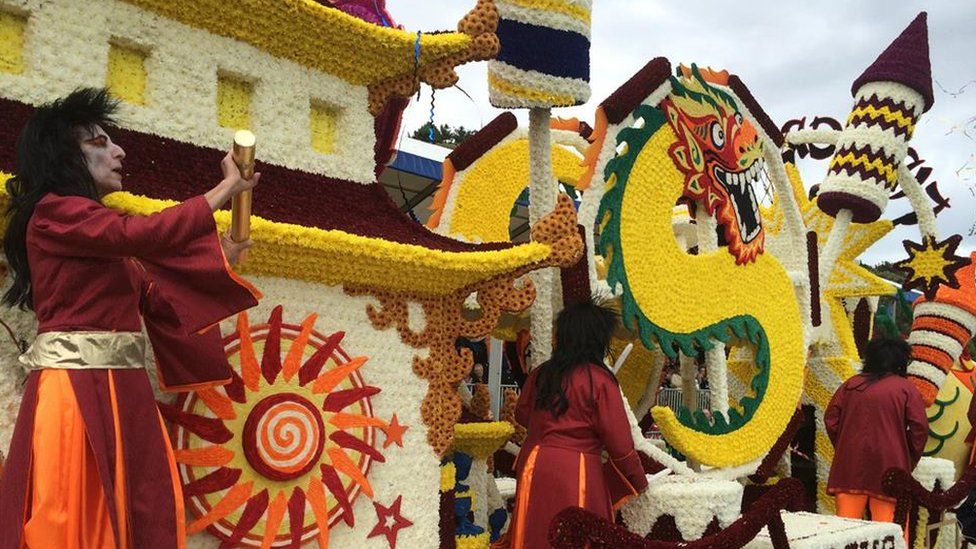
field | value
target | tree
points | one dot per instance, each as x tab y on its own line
444	135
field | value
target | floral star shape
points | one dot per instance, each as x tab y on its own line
932	264
394	433
389	521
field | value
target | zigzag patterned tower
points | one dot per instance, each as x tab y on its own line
889	98
941	328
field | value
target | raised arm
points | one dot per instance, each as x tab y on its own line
74	226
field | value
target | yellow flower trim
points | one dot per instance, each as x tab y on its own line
686	293
481	440
335	257
12	27
126	77
448	474
525	92
354	50
480	541
489	188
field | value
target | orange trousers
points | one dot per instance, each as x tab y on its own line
67	501
853	506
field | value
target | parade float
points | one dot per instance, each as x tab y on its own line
346	423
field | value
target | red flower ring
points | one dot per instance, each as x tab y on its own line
279	455
283	436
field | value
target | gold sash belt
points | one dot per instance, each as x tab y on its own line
82	350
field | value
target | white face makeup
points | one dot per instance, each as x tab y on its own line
104	159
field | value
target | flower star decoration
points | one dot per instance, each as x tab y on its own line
931	264
394	432
389	521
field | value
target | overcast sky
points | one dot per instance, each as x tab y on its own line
797	58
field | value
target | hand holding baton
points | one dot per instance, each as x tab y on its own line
240	206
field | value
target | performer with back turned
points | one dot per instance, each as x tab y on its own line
90	463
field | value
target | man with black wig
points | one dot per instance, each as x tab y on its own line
90	463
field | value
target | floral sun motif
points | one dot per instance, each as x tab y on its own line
280	454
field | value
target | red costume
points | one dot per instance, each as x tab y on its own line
90	463
874	425
560	463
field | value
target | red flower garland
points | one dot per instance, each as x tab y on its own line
574	527
910	493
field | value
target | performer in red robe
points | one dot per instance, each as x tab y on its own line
876	420
90	464
574	412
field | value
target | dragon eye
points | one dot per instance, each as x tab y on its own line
718	135
738	118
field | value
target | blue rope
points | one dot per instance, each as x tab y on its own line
379	14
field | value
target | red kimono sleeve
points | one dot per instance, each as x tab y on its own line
625	473
74	226
189	286
918	425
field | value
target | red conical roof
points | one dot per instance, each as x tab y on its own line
905	61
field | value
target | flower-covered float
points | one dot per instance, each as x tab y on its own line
689	192
345	423
344	404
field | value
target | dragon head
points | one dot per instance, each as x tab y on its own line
721	157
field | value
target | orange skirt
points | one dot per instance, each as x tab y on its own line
69	503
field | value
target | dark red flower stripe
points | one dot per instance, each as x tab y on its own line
769	462
625	99
744	95
296	515
221	479
310	370
574	527
164	168
666	529
338	400
478	144
576	279
350	442
813	260
255	508
332	481
900	484
447	523
208	428
271	357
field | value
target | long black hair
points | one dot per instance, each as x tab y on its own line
583	332
884	356
49	160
